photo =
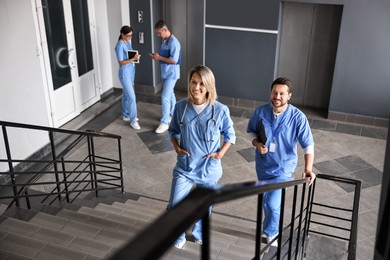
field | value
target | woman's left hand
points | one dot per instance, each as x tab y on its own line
216	156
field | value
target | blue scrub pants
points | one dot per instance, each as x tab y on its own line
272	203
168	100
180	188
129	103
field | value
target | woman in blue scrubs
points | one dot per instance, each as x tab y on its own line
126	76
197	124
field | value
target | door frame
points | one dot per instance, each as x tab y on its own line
50	96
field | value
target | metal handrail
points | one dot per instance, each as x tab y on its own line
353	220
195	206
91	162
161	234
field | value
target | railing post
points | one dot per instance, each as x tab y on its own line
300	252
92	164
290	243
11	167
53	152
354	224
258	226
120	164
206	237
280	235
65	180
309	206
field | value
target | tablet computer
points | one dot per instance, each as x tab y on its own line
131	54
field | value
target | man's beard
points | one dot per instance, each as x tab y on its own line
280	105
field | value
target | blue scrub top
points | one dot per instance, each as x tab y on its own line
128	70
199	135
286	131
170	48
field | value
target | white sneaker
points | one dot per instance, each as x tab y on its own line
135	125
179	245
127	119
161	128
199	242
275	243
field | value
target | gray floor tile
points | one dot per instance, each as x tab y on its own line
374	132
156	143
248	154
331	167
370	177
348	129
353	163
323	125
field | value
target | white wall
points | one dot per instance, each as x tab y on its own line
114	14
104	48
22	87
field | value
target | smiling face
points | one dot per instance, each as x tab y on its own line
279	97
197	89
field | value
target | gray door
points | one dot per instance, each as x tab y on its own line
308	47
186	21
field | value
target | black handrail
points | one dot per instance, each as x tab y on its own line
161	234
353	220
92	161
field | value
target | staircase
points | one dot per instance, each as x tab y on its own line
93	228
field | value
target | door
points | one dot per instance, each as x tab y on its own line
69	49
308	48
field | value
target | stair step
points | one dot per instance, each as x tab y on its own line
126	220
93	212
196	249
53	237
89	219
148	202
19	213
81	229
8	255
20	227
178	254
18	244
115	238
90	247
49	221
60	253
245	252
98	245
135	207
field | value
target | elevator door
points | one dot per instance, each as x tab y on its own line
308	47
68	49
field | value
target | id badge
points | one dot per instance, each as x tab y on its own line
272	147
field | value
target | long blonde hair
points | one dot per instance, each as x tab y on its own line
208	80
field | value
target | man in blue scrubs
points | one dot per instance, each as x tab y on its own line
169	58
275	130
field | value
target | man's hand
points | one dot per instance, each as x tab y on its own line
309	174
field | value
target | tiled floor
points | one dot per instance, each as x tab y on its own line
342	149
